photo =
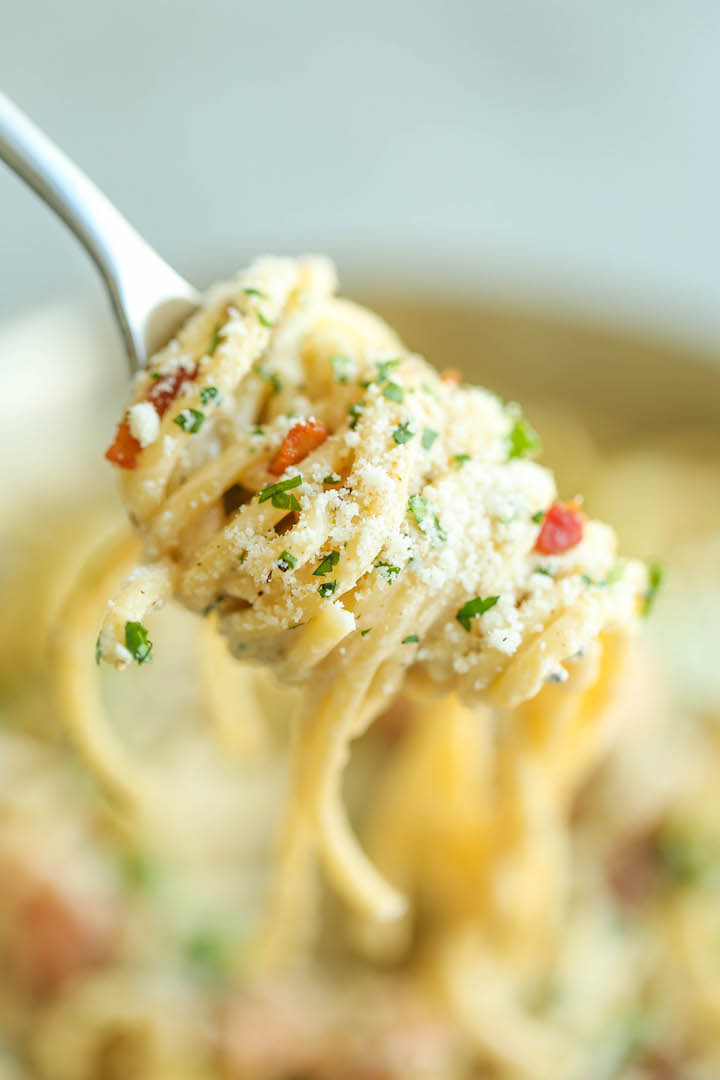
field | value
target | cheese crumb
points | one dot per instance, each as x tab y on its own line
144	422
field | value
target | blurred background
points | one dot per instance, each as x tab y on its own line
563	152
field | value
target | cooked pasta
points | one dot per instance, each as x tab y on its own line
359	523
559	859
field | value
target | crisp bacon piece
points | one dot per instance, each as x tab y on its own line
164	391
562	529
300	441
125	448
54	939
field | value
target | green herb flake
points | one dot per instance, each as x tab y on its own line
257	432
327	588
137	642
617	573
286	561
429	390
538	517
656	580
208	394
207	951
403	433
98	650
250	290
215	339
410	639
332	478
356	412
385	367
460	459
389	572
628	1036
522	441
286	502
686	856
282	486
190	420
428	438
155	375
427	521
544	570
139	870
418	507
269	377
586	579
474	608
364	632
327	564
394	392
264	321
340	366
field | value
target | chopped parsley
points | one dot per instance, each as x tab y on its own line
616	573
460	459
429	390
264	321
332	478
138	644
98	650
286	561
544	570
686	856
418	507
215	339
139	869
656	579
356	412
427	521
278	493
208	394
538	517
385	367
389	572
327	588
394	392
474	608
327	564
523	440
403	433
207	951
270	377
190	420
428	438
250	290
257	432
364	632
409	639
155	375
340	366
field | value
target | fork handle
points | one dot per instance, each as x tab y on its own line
135	276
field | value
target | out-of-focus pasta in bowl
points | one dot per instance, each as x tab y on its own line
563	899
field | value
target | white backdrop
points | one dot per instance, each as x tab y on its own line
559	149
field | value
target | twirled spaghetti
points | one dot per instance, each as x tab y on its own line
356	521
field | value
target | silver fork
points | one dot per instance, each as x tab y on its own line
149	299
